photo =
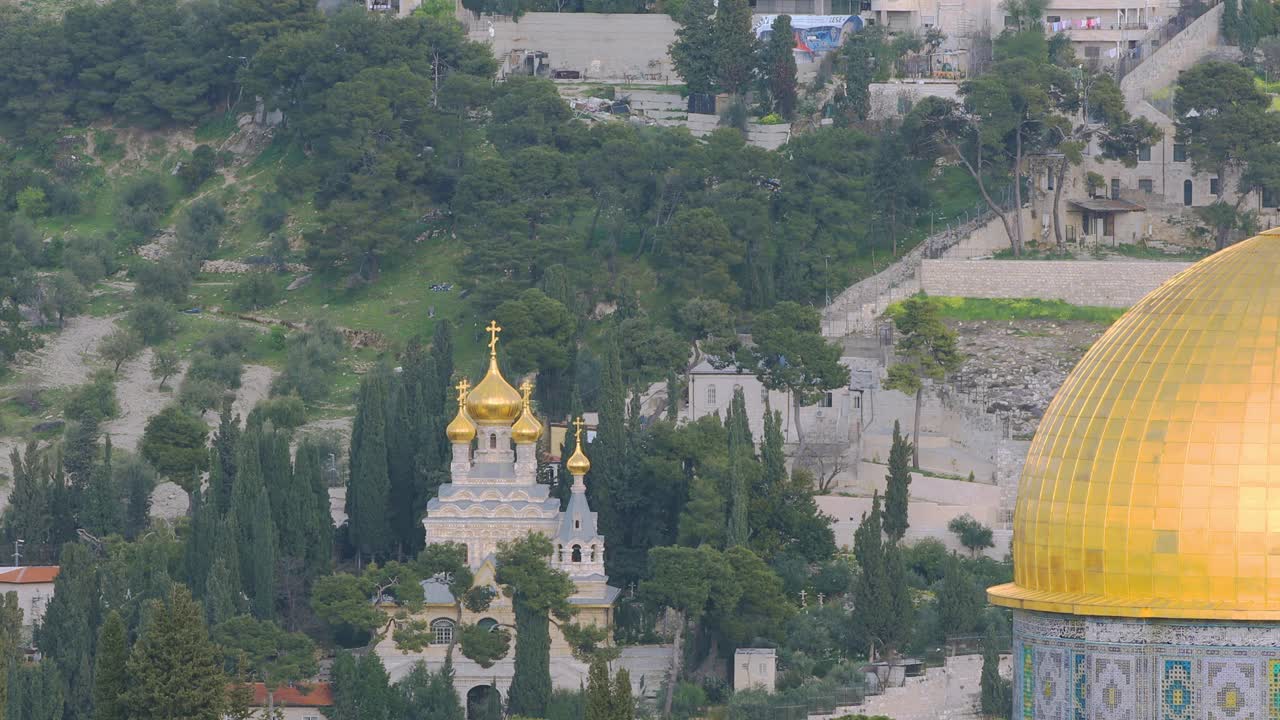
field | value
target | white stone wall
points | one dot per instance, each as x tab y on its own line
1079	282
895	99
604	46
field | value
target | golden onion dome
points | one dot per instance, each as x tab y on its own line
578	464
527	429
461	429
494	401
1152	487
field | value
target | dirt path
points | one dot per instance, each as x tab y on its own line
139	397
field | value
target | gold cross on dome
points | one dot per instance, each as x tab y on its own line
462	387
526	389
577	430
493	329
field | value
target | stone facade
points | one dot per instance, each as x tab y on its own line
1082	668
1079	282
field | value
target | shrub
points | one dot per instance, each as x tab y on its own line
286	412
312	357
95	399
199	395
272	211
255	291
32	202
229	339
143	202
687	701
199	228
201	166
772	119
155	320
168	278
279	338
224	370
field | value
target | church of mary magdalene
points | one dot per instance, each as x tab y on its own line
493	496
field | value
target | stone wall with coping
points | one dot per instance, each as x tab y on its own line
1109	283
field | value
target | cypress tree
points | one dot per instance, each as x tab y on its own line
36	692
11	643
29	516
779	69
222	473
898	619
536	591
740	456
734	46
623	705
66	635
599	702
103	511
318	550
109	679
564	480
80	449
996	699
702	520
220	593
369	486
277	472
174	670
897	484
137	480
773	451
197	552
248	488
531	682
673	397
870	592
407	535
344	680
425	404
959	599
608	450
263	568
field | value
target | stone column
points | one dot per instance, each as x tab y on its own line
461	465
526	464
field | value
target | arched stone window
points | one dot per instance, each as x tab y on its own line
493	441
441	631
488	624
593	552
577	554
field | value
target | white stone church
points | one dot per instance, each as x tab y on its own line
493	496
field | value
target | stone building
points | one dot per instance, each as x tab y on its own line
492	497
33	585
1146	583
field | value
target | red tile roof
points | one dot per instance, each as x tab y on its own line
32	574
312	695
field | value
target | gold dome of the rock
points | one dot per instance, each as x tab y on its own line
1152	487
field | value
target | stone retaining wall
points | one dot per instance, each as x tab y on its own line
1079	282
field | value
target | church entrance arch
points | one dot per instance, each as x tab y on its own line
484	702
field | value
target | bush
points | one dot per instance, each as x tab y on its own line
272	211
201	167
143	203
154	320
201	394
168	278
224	370
95	399
199	228
285	412
90	257
687	701
772	119
566	705
32	202
255	291
312	357
229	339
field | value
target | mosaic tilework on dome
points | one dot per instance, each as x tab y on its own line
1153	483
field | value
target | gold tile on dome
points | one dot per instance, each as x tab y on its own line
1160	456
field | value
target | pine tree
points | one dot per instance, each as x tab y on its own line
369	486
897	484
599	705
109	678
66	635
740	457
735	46
996	699
870	596
174	670
623	705
779	67
959	599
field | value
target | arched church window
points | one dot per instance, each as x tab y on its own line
593	553
493	441
577	554
441	631
488	624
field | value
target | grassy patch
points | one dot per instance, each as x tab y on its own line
1146	252
971	309
216	127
